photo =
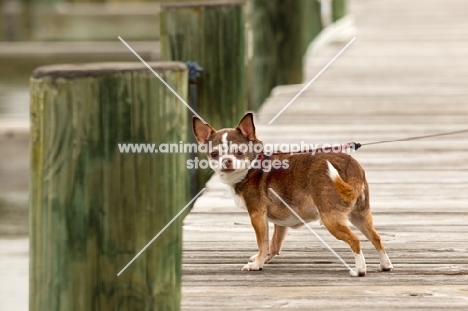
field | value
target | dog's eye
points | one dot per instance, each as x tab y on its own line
214	154
239	152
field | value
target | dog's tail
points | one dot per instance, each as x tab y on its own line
348	192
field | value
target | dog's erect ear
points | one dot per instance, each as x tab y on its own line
201	130
246	126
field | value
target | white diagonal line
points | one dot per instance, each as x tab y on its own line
313	79
159	77
311	230
162	230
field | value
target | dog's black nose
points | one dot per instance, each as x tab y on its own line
227	163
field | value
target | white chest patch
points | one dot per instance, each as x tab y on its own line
237	199
232	178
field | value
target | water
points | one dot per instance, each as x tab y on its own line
14	96
14	249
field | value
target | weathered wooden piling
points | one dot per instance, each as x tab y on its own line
93	207
263	63
211	33
312	22
338	9
281	32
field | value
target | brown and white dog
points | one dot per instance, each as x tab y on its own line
331	187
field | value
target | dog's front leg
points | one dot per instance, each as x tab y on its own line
275	244
260	223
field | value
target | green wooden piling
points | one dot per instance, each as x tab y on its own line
92	207
291	41
211	33
281	31
312	21
339	8
263	65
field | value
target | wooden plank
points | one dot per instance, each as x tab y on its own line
94	21
325	297
401	78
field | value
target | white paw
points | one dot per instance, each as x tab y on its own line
360	269
267	258
252	266
387	267
385	263
357	272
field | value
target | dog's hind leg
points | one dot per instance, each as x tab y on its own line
336	224
363	221
361	217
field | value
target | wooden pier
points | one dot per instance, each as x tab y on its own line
405	75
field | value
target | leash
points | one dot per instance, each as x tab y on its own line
356	146
415	138
327	149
